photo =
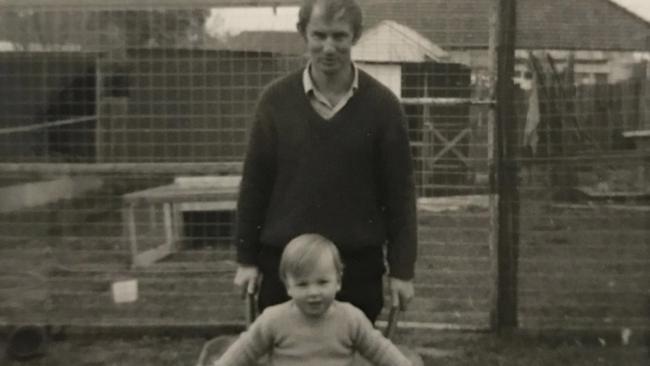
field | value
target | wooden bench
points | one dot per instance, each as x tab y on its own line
214	193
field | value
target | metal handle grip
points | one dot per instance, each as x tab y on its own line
251	309
392	321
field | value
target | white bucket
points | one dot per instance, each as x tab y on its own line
125	291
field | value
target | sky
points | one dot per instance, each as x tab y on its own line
235	20
640	7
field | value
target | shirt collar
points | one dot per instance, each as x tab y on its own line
309	86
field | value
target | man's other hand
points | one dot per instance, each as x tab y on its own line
246	279
401	292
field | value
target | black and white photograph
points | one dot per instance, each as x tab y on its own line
325	182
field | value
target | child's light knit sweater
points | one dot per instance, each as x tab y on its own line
289	338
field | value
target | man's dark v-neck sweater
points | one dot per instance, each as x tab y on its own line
349	178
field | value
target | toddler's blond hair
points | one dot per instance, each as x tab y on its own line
303	252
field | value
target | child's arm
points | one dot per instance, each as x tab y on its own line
372	345
250	346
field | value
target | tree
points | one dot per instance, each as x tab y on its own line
57	29
164	28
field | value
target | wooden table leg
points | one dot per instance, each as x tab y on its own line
149	257
178	226
169	224
129	226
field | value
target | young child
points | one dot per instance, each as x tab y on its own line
312	328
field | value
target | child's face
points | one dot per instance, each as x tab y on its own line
314	292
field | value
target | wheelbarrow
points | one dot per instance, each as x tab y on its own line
215	347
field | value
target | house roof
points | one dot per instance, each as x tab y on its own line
552	24
389	41
386	41
458	24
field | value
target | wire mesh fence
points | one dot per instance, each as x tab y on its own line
583	249
584	239
123	128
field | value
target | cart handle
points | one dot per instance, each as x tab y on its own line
251	308
392	322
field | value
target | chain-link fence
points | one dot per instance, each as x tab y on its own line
123	129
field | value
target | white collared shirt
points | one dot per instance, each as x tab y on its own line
318	101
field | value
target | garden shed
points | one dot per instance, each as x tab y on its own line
181	104
147	105
416	70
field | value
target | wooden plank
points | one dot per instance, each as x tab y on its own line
151	256
99	136
216	167
178	225
446	102
169	227
128	225
49	124
225	181
440	204
173	193
639	208
229	205
594	192
140	4
637	134
644	97
33	194
450	145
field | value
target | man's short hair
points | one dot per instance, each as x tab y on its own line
302	254
348	9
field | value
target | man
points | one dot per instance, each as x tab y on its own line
329	154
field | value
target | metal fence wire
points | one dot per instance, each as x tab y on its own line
123	128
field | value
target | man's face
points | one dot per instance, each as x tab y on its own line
329	43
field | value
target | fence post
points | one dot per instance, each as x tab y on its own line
644	97
504	171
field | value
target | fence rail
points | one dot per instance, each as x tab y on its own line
219	168
142	4
38	126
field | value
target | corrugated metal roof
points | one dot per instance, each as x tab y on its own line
390	41
554	24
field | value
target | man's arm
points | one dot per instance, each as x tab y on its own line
251	344
255	189
372	345
398	194
254	194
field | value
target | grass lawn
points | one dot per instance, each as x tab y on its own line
465	350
